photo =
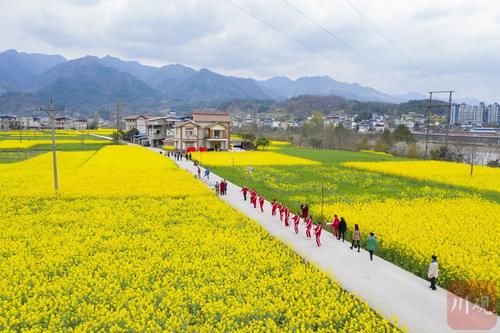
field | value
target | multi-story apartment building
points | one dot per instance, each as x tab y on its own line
477	115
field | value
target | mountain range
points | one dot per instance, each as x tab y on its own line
88	84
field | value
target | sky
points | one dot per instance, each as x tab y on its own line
392	45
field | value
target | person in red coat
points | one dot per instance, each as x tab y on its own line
261	203
274	205
244	190
317	233
253	197
296	221
281	209
287	216
309	223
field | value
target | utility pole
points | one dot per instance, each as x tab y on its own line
322	201
429	112
51	111
472	157
81	128
117	123
448	125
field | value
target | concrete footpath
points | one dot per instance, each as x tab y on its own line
393	291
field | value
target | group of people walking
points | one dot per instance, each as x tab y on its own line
221	188
338	225
178	156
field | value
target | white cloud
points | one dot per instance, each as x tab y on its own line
453	41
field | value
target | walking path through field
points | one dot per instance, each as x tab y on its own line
383	285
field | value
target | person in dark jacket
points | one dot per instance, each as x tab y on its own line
342	229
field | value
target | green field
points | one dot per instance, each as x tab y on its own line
304	184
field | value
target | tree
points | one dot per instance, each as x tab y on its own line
262	142
387	137
363	115
248	140
94	124
313	129
493	163
444	154
117	136
129	136
403	134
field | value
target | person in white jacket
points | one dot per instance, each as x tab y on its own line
433	272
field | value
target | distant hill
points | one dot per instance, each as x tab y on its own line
323	86
87	82
206	85
90	83
18	70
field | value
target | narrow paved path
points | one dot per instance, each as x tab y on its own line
393	291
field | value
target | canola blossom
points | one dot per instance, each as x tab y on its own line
249	158
462	232
375	152
133	243
483	178
12	144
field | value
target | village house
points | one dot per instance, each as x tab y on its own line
63	123
6	122
160	130
204	130
136	121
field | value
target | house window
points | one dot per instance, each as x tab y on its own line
217	134
189	131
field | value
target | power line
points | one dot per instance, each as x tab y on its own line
393	45
306	46
340	40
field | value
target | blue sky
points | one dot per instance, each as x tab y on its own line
454	43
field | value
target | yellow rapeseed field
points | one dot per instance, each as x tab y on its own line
462	232
249	158
483	178
11	144
132	243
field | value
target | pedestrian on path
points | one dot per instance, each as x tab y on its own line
199	172
371	244
355	237
223	187
309	223
207	173
274	205
286	213
253	198
281	209
296	221
244	190
342	229
306	211
433	272
217	187
317	233
336	223
261	203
